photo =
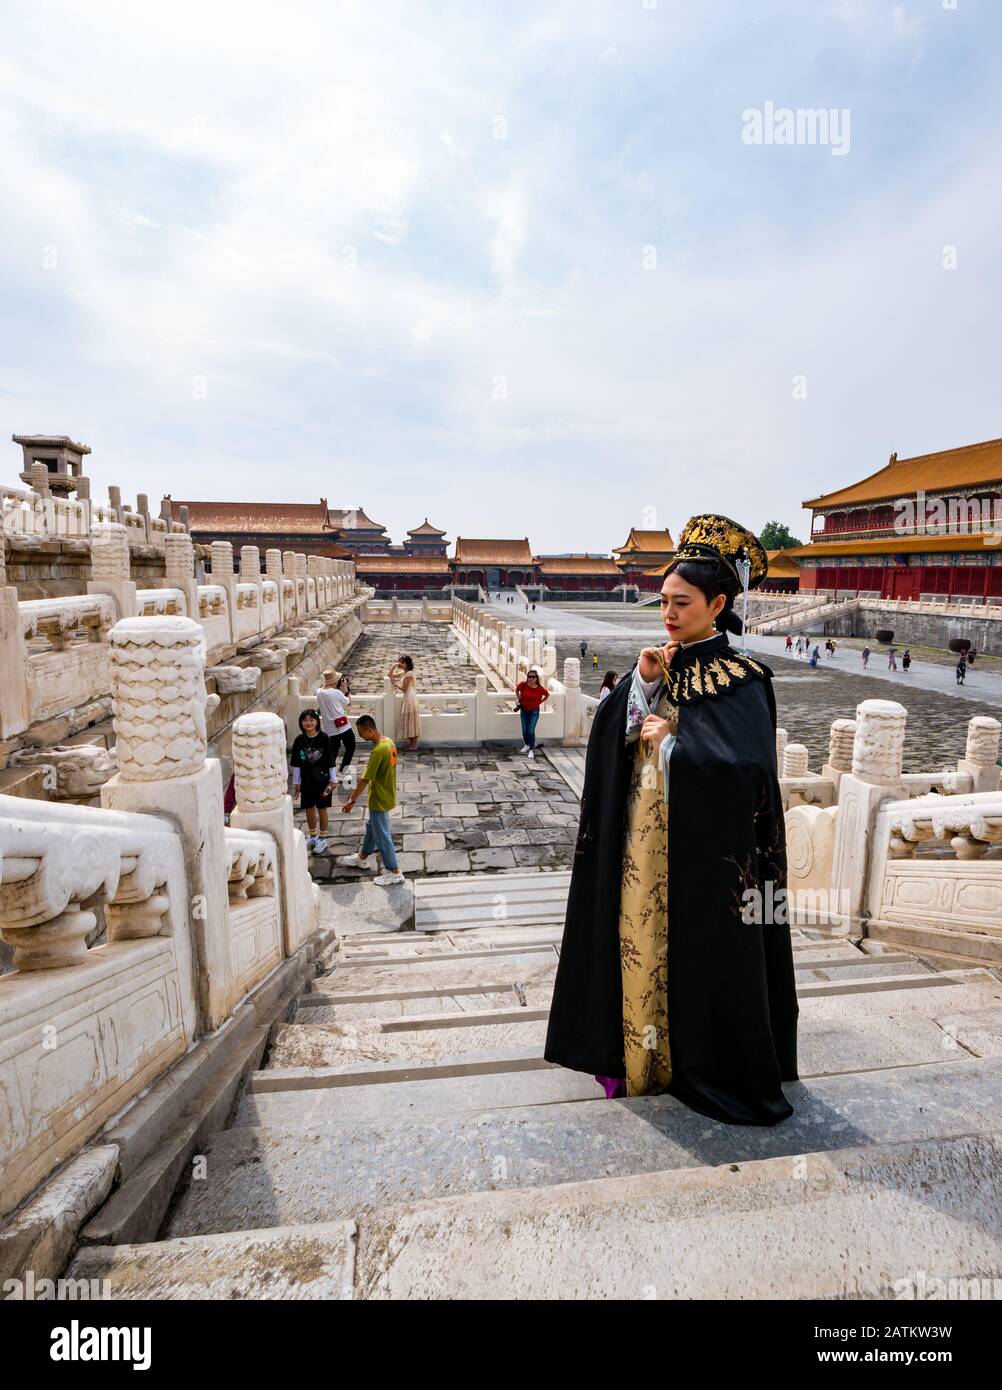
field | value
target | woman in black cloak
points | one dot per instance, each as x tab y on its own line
671	977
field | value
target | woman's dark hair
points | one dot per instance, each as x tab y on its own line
609	680
407	662
309	713
713	577
532	672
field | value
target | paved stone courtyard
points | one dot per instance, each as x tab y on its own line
440	660
463	810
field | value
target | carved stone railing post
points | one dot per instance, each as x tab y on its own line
250	564
40	480
981	755
573	703
222	574
115	502
878	747
15	701
261	771
179	569
841	738
143	508
111	566
781	740
159	703
795	760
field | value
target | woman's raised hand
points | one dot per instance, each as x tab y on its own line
648	664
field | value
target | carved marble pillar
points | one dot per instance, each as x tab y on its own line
110	563
263	803
574	720
222	574
179	569
878	747
795	760
841	738
159	703
981	754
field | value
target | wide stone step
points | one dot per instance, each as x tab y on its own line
471	992
951	946
470	901
260	1177
456	1082
854	1223
313	1041
483	976
305	1263
850	1223
473	999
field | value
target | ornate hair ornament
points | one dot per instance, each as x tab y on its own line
714	537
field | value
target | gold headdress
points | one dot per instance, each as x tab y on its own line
712	537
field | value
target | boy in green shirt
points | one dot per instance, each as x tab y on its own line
380	776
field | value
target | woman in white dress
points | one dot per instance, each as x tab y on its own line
401	673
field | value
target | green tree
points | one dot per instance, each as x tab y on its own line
776	536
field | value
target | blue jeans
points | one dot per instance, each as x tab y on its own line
378	837
530	718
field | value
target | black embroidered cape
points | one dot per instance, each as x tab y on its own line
732	1004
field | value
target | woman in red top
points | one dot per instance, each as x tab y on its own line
531	693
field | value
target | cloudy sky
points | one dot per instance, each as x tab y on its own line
512	265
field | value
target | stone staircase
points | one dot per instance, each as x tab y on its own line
406	1139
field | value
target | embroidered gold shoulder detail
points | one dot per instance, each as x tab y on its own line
723	672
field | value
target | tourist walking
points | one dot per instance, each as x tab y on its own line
961	669
609	682
789	642
314	777
380	779
906	659
665	983
594	661
829	649
401	673
815	656
530	694
866	656
584	649
892	664
334	701
971	654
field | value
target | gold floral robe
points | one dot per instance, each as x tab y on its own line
643	920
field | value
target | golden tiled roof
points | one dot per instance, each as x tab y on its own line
257	518
401	564
425	529
950	468
353	519
781	566
492	552
660	542
896	545
577	564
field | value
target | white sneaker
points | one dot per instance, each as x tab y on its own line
530	754
310	842
319	846
354	861
524	748
384	879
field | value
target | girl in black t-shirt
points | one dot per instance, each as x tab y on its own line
314	776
